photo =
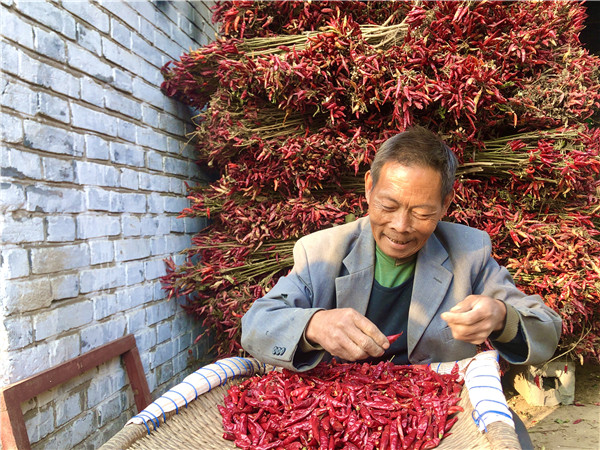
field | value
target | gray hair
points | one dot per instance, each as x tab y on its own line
417	146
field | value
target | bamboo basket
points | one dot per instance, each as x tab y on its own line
197	425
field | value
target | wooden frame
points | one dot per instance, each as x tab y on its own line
13	433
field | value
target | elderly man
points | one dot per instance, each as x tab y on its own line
401	269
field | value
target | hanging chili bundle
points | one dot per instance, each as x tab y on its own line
352	406
296	97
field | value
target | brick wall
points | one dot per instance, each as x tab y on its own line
93	166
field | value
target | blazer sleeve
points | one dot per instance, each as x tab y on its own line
539	324
274	325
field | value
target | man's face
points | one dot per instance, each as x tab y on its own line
404	208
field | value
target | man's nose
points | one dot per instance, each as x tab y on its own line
402	222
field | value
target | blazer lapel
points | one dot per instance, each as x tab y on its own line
431	283
354	290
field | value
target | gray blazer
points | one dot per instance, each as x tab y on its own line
335	267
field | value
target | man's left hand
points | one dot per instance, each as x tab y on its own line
475	318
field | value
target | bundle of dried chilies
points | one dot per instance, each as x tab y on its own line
295	98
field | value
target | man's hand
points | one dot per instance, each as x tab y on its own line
475	318
347	334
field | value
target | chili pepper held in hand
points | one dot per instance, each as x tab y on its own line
393	338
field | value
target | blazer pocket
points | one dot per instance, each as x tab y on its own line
446	334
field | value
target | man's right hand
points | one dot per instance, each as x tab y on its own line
346	334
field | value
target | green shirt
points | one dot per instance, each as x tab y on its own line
388	273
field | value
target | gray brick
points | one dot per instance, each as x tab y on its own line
145	340
150	138
177	243
92	92
150	94
15	262
134	272
147	29
18	97
134	203
52	139
101	252
164	372
40	424
171	124
177	225
156	203
15	29
158	246
122	81
100	279
18	230
89	63
155	160
121	56
149	226
129	179
91	173
53	107
176	166
12	197
49	15
120	33
27	295
97	199
134	296
46	199
140	47
60	228
96	335
58	169
105	305
68	408
66	286
177	186
12	128
176	204
10	59
155	269
90	119
126	130
162	354
20	331
149	116
103	385
129	249
49	44
116	101
154	183
194	225
21	164
136	320
89	13
56	259
128	154
96	147
92	226
63	318
150	73
54	78
109	410
83	427
116	202
131	225
88	38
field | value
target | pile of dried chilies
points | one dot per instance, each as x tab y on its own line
351	406
295	98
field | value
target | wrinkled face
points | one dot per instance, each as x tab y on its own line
404	208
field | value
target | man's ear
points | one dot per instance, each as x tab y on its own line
448	202
368	185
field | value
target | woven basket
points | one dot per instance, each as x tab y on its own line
198	426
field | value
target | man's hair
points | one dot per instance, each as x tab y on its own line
417	146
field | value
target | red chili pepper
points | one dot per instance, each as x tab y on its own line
393	338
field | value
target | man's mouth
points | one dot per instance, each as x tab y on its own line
397	242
